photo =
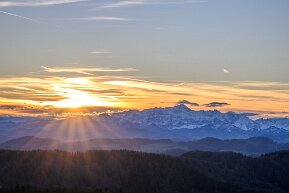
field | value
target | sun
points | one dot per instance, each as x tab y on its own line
80	99
78	81
76	98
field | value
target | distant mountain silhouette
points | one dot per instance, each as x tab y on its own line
251	146
30	143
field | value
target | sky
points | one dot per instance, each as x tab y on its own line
136	54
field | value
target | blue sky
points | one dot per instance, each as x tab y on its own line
165	40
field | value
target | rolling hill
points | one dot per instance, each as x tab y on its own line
251	146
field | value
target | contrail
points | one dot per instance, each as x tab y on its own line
26	18
19	16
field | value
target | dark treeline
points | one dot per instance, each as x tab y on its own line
136	172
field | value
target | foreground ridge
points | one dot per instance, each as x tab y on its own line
136	172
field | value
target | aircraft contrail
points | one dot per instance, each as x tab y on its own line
19	16
26	18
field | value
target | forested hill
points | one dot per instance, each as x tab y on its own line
136	172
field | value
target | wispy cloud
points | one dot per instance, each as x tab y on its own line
130	3
186	102
86	71
100	52
102	18
36	3
226	71
121	4
216	104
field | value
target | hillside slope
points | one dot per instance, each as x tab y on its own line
133	172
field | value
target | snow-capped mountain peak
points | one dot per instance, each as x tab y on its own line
177	122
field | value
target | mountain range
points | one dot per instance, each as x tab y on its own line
178	123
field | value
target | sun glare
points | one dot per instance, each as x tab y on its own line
79	81
76	98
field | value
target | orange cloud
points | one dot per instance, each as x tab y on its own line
126	92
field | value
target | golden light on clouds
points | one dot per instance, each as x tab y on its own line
38	93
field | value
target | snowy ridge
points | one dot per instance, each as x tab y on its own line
181	117
178	123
